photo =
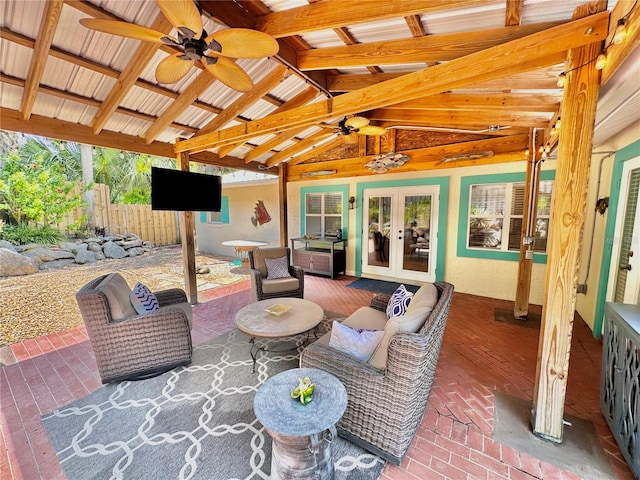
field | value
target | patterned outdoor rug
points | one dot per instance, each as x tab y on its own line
190	423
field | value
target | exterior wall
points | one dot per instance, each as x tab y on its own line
491	278
590	273
242	202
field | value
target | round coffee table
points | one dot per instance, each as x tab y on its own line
301	434
255	321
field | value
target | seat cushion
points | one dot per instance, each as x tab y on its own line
118	293
280	285
410	322
359	343
426	296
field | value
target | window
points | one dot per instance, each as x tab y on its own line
496	216
217	217
323	213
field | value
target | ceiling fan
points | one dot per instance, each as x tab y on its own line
214	51
350	127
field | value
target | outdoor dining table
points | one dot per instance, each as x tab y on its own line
244	246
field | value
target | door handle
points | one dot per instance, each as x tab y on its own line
625	267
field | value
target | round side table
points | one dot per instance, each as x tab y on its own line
301	434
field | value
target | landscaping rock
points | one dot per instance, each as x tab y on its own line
82	252
111	250
12	263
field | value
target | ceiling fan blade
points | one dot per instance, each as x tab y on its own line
182	13
351	138
173	69
357	122
124	29
372	130
229	73
244	43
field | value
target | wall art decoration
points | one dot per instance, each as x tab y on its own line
260	214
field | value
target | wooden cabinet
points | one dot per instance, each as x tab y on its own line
620	382
324	256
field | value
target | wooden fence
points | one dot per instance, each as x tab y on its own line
159	227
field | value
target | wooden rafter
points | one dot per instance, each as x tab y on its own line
308	142
489	64
516	102
317	150
335	14
432	48
48	24
139	60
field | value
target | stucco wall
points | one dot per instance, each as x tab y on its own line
595	223
242	202
490	278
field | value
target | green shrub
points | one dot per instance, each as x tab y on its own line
22	233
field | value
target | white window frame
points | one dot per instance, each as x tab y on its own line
323	215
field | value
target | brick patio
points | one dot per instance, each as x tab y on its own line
454	441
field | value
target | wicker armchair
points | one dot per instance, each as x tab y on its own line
385	407
262	288
128	346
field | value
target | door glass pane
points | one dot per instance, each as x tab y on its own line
379	222
417	227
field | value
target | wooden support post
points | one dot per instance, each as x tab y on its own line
529	213
187	229
282	194
567	221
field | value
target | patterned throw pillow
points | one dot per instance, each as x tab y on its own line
143	300
277	268
399	302
358	343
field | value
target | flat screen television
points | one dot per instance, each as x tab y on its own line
185	191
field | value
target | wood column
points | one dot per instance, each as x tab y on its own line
187	232
282	195
529	214
567	222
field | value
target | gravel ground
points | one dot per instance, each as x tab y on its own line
42	303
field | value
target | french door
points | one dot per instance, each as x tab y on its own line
626	256
400	233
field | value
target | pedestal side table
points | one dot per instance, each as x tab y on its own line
301	434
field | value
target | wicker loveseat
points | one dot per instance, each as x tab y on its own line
132	346
386	406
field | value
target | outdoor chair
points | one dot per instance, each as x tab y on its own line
132	346
385	405
273	276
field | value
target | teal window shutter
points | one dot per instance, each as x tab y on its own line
203	217
225	209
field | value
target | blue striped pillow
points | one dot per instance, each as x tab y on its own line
143	300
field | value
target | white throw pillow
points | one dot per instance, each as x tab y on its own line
143	300
277	268
399	302
359	343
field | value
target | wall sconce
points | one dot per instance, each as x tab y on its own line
352	202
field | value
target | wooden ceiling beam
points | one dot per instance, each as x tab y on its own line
315	151
270	144
127	79
536	50
302	98
259	90
432	48
303	144
513	12
203	81
515	102
506	149
617	54
462	117
48	24
333	14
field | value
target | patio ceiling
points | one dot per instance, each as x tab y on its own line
448	80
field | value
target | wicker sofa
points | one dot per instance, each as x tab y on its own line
385	406
132	346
